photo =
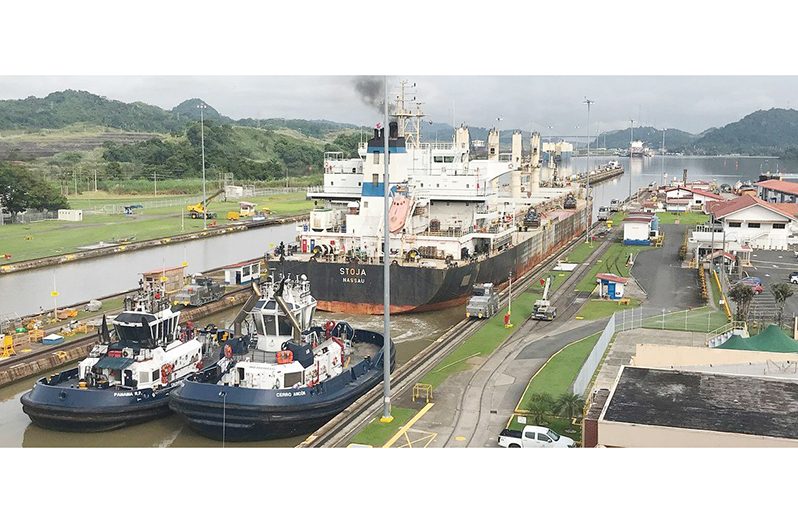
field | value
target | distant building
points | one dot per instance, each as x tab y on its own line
748	220
778	191
683	199
640	228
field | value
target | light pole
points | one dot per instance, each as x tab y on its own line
386	272
588	102
202	108
499	136
631	139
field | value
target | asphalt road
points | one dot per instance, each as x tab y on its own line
773	267
660	274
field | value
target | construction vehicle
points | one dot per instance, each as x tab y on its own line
197	210
570	202
202	290
484	301
543	309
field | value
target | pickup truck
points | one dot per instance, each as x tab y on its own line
532	436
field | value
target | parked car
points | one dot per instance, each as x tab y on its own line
603	214
532	436
754	279
794	277
756	287
615	205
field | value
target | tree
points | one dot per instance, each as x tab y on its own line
20	190
742	296
540	406
781	291
569	405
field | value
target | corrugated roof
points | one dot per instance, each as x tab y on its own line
699	192
780	186
611	277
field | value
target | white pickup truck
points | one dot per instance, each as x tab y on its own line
532	436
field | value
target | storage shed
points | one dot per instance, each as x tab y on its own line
640	228
611	285
242	273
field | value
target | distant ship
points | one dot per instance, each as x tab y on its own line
454	220
286	377
637	149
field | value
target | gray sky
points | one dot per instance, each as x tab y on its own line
532	103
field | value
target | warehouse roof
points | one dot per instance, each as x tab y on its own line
704	401
780	186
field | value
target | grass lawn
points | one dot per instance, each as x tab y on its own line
613	261
595	309
685	218
559	373
377	434
702	319
53	237
581	252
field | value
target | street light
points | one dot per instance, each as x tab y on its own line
499	136
589	200
631	139
202	108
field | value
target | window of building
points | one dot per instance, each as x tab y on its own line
779	225
376	158
735	224
156	375
375	178
753	225
332	182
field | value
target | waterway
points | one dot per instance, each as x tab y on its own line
412	333
80	281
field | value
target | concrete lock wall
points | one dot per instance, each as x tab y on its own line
591	364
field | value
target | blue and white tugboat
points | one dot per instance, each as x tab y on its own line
122	382
287	378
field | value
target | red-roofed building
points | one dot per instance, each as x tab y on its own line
748	220
778	191
682	199
610	285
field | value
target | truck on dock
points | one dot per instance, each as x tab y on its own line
484	302
543	309
202	290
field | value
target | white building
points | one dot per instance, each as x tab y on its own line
747	220
640	228
682	199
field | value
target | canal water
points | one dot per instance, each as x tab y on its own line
80	281
412	333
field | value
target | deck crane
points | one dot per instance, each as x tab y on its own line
543	309
196	210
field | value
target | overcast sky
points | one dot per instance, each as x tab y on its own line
532	103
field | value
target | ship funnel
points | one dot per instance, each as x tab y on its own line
376	133
394	130
278	297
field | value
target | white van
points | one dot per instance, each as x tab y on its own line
603	214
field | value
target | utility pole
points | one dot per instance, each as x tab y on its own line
95	180
202	107
155	178
75	180
589	199
386	271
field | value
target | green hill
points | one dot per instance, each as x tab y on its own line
762	132
675	139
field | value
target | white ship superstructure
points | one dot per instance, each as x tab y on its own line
446	206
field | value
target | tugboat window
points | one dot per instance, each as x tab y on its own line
270	325
285	326
156	375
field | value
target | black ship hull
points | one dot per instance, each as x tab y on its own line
357	288
58	404
242	414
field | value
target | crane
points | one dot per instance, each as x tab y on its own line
196	210
543	309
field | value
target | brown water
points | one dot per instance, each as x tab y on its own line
412	333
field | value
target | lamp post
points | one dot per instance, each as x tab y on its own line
631	139
386	268
589	199
499	136
202	108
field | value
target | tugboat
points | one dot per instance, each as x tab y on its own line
289	377
122	382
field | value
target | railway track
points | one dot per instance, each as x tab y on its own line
344	426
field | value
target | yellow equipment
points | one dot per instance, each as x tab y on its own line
197	210
233	215
246	208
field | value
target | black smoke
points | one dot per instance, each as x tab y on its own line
371	90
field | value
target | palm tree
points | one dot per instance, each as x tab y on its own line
539	406
781	291
570	405
742	296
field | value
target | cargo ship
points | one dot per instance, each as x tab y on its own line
123	381
454	221
286	376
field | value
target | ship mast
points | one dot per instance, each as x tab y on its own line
408	118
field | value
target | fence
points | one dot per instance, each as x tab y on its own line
32	217
585	375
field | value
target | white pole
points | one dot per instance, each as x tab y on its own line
204	195
587	194
631	139
95	180
386	271
155	177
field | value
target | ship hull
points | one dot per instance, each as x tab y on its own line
243	414
357	288
56	404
